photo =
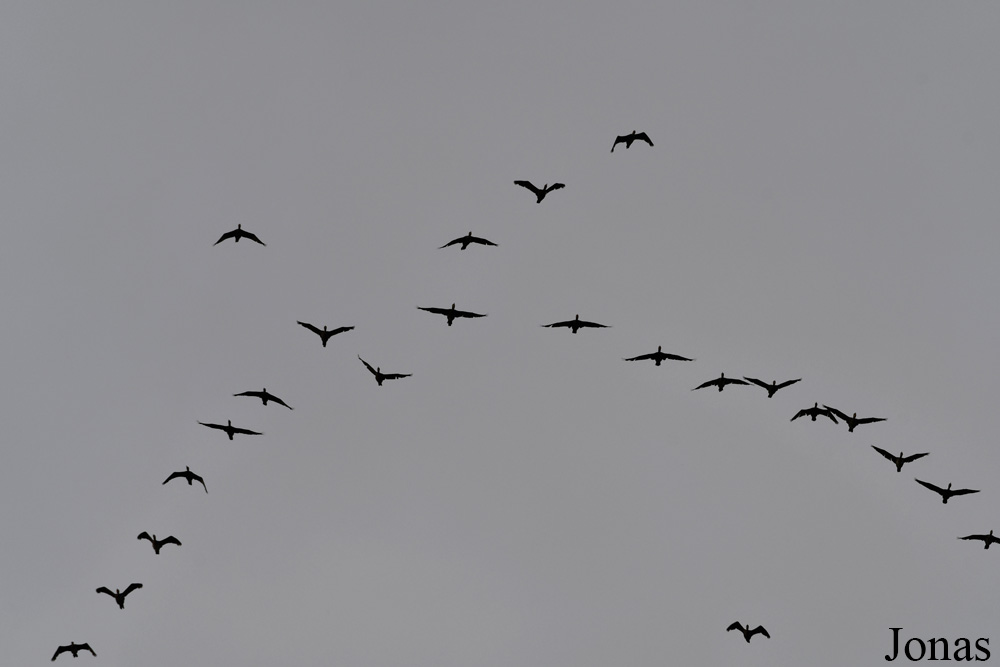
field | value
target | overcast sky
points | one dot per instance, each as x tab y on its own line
821	203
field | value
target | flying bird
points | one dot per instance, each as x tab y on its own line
264	396
853	420
158	544
720	382
230	429
945	493
899	460
119	595
658	356
466	240
324	334
188	475
576	323
747	632
73	648
773	387
379	375
629	138
540	192
238	234
814	411
451	313
987	539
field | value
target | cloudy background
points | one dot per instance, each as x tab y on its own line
821	202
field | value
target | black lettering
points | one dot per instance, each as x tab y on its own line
895	645
983	649
960	647
934	642
920	643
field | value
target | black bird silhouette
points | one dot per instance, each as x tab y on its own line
540	192
814	411
576	323
238	234
188	475
324	334
719	382
773	387
158	544
230	429
987	539
264	396
466	240
379	375
945	493
899	460
747	632
119	595
73	648
629	138
853	420
658	356
451	313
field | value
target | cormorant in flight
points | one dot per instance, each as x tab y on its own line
629	138
324	334
188	475
158	544
540	192
379	375
119	595
230	429
945	493
238	234
73	648
853	420
576	323
658	356
773	387
747	632
720	382
466	240
899	460
264	396
451	313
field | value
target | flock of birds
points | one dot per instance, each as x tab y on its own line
574	325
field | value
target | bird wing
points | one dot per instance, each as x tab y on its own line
144	536
759	383
527	184
555	186
869	420
466	313
227	235
253	237
733	381
644	137
735	625
395	376
567	323
930	486
786	383
170	540
676	357
368	366
59	650
710	383
245	431
458	240
311	328
804	412
438	311
962	492
584	323
272	397
618	140
761	630
836	412
641	357
200	479
886	454
218	426
339	330
477	239
131	587
984	538
105	589
914	457
172	476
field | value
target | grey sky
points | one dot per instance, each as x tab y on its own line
821	203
